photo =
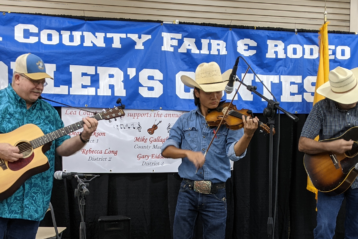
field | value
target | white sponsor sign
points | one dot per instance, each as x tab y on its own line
129	144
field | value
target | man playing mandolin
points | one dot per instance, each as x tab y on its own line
202	190
329	119
21	213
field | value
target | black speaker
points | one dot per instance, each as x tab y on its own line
114	227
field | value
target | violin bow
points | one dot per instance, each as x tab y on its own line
226	112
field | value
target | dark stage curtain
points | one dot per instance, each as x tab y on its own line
150	199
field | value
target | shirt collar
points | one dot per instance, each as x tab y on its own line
14	96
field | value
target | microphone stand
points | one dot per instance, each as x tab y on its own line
270	113
81	192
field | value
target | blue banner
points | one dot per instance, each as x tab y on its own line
96	62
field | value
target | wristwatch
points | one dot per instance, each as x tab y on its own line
83	141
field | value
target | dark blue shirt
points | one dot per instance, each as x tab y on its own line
328	121
32	199
191	132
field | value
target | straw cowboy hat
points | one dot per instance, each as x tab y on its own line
208	78
342	86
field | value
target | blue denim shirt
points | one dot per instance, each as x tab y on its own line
328	121
192	133
32	199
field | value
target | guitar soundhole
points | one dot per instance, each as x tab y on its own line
26	150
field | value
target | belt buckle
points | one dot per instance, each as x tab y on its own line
203	187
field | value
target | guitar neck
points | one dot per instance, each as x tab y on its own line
60	132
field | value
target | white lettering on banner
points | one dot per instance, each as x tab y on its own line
78	80
179	86
218	45
343	52
189	43
267	79
66	38
330	51
307	84
116	39
45	35
50	88
291	53
52	37
243	92
295	51
139	42
4	77
204	46
275	46
19	33
90	39
243	46
168	42
143	79
308	49
106	79
287	89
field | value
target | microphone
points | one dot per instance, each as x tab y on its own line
59	175
230	86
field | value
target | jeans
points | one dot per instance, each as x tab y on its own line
212	207
327	211
18	228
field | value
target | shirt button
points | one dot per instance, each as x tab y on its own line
204	136
347	113
203	149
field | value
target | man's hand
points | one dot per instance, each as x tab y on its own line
9	153
250	125
197	158
340	146
89	126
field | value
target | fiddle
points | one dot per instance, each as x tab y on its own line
154	127
233	119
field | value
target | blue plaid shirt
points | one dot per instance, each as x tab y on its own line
32	199
328	121
191	132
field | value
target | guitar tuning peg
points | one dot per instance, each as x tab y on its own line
103	110
115	119
109	121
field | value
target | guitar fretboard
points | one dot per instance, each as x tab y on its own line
60	132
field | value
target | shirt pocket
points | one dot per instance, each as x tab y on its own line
219	143
191	138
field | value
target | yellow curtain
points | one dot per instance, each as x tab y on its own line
322	77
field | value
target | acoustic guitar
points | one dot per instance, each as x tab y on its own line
332	173
33	144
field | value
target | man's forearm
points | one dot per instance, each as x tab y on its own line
70	146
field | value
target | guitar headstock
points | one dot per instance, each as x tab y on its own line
112	113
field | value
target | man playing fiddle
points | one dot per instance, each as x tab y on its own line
202	190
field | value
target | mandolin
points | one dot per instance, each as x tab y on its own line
33	144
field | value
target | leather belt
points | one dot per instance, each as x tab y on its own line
204	187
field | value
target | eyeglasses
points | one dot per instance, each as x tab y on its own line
35	82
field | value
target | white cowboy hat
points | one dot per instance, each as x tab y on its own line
342	86
208	78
